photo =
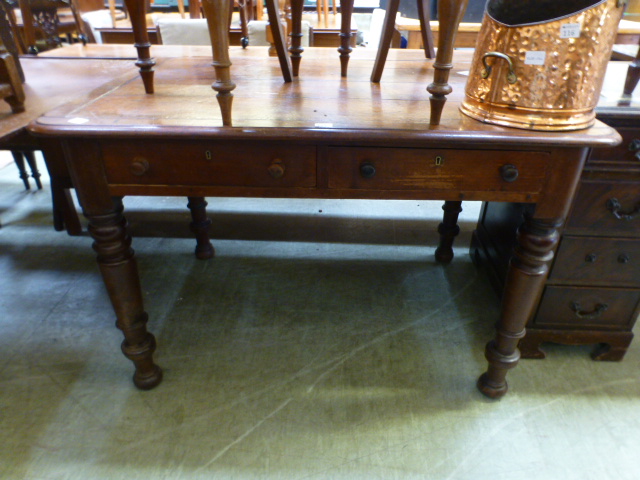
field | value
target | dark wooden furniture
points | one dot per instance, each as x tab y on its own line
354	140
592	295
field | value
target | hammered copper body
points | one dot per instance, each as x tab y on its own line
555	88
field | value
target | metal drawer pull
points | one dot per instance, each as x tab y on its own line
623	258
614	205
599	310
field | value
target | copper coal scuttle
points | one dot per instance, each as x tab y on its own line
540	64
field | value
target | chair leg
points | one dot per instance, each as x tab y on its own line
425	29
388	27
296	35
243	7
18	158
31	161
346	10
279	40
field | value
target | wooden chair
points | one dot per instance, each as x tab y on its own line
11	90
11	74
42	17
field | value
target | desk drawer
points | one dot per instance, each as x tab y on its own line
417	169
587	307
598	261
598	202
200	163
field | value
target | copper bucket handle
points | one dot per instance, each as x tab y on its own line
511	76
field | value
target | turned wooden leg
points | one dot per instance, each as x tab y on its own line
200	227
346	10
120	274
33	166
527	273
388	27
145	63
18	158
217	14
448	231
296	36
450	14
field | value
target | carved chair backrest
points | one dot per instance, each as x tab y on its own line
44	15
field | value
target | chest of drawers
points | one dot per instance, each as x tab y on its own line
592	295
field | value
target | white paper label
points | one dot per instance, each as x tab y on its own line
570	30
324	125
535	57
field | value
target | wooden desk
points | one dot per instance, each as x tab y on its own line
321	136
49	84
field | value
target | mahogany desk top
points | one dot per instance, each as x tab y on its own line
321	136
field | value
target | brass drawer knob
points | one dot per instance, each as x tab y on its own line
509	173
139	166
276	169
367	170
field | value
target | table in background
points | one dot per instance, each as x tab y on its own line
50	83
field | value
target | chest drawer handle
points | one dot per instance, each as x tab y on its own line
509	173
139	166
595	313
614	205
367	170
276	169
634	146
